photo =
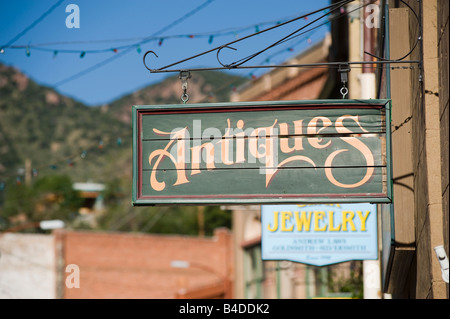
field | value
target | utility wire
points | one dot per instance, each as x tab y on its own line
238	64
154	219
294	35
116	56
250	57
31	26
338	4
217	33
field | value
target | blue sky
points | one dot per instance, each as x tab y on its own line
103	23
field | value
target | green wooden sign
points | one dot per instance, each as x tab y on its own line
322	151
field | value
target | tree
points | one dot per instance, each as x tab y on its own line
49	197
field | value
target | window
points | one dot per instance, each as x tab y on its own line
253	272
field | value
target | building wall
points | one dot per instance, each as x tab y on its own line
307	86
290	83
427	155
443	50
124	265
280	279
402	157
246	231
27	266
429	134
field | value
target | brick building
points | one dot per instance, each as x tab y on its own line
124	265
105	265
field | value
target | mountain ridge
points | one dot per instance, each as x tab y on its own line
48	141
208	86
56	132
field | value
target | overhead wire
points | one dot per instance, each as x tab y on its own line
293	35
128	48
118	55
218	33
250	57
32	25
325	23
153	37
377	64
231	83
243	38
154	220
238	64
313	29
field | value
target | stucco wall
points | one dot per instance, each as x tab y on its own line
27	266
443	47
430	146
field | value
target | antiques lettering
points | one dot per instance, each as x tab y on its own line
187	148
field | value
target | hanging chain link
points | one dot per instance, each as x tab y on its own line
184	76
343	71
396	127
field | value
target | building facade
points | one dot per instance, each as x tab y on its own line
27	266
417	221
112	265
255	278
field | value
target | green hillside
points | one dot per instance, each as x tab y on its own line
64	141
52	131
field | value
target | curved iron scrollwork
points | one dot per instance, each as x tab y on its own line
238	64
145	64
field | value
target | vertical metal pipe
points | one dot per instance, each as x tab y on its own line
371	273
368	39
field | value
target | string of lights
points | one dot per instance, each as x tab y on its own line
66	161
121	50
136	45
211	36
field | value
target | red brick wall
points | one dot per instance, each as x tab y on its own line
306	86
123	265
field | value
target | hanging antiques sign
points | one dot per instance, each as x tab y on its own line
319	235
322	151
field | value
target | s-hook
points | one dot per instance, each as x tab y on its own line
343	71
184	76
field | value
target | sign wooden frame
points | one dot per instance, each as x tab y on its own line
272	152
